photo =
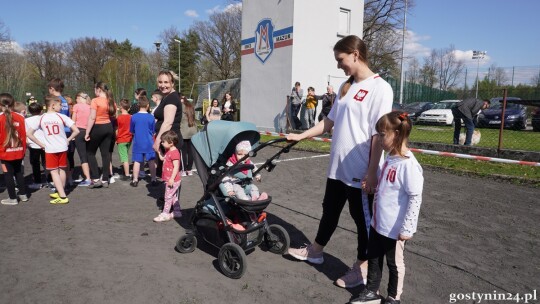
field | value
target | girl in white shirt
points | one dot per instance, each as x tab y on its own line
395	208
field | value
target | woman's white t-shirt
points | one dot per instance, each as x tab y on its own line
355	116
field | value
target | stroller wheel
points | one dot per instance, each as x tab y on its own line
232	260
186	243
277	239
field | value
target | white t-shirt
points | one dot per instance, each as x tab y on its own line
54	135
34	120
399	196
355	116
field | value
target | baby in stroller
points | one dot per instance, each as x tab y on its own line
240	183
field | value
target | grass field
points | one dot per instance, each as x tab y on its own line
514	173
512	139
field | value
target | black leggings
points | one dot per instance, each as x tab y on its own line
80	143
37	158
100	137
336	194
14	168
187	155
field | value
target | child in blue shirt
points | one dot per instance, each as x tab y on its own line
142	127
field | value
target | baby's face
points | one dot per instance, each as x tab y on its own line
240	154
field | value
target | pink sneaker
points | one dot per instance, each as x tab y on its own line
356	276
263	196
307	254
235	225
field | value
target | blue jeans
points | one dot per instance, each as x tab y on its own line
469	125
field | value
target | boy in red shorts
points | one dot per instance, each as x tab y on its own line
55	144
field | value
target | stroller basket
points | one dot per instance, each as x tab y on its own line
250	206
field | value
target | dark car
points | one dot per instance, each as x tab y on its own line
396	106
515	115
535	119
416	108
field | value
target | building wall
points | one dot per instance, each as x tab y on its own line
304	53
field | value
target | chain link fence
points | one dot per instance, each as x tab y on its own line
202	93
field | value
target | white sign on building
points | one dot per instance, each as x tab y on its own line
284	41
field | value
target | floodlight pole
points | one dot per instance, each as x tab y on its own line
179	77
158	46
402	54
478	55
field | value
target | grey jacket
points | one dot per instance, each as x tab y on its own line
296	97
470	107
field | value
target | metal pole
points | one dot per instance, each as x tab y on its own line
179	77
499	147
402	54
477	68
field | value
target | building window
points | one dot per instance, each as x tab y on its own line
344	22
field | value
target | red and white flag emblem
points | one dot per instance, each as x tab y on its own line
360	95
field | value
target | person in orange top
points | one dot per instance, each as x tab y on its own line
124	137
99	134
12	149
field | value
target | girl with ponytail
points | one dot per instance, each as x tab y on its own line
100	134
355	154
12	149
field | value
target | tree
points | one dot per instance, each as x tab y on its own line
413	72
428	72
87	56
189	57
48	60
498	75
448	67
221	43
383	22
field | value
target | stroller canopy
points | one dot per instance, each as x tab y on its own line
217	141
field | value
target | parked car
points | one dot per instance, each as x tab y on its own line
515	115
416	108
440	113
396	106
535	119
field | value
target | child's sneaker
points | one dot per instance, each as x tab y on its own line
142	174
163	217
85	183
60	201
190	173
112	180
263	196
367	297
54	195
356	276
184	173
134	183
35	186
79	179
235	225
95	184
9	201
307	254
390	300
23	198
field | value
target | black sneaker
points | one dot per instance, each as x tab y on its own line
367	297
134	183
95	184
390	300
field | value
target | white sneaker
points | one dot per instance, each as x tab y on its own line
184	173
79	179
9	201
112	180
23	198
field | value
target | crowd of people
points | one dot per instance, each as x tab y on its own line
384	194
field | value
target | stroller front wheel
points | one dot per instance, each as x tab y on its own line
186	243
232	260
277	239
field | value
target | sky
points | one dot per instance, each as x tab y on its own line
509	31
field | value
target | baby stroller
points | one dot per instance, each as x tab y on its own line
210	219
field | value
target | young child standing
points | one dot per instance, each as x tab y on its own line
124	137
395	208
234	185
12	149
311	107
55	144
142	127
37	155
171	176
